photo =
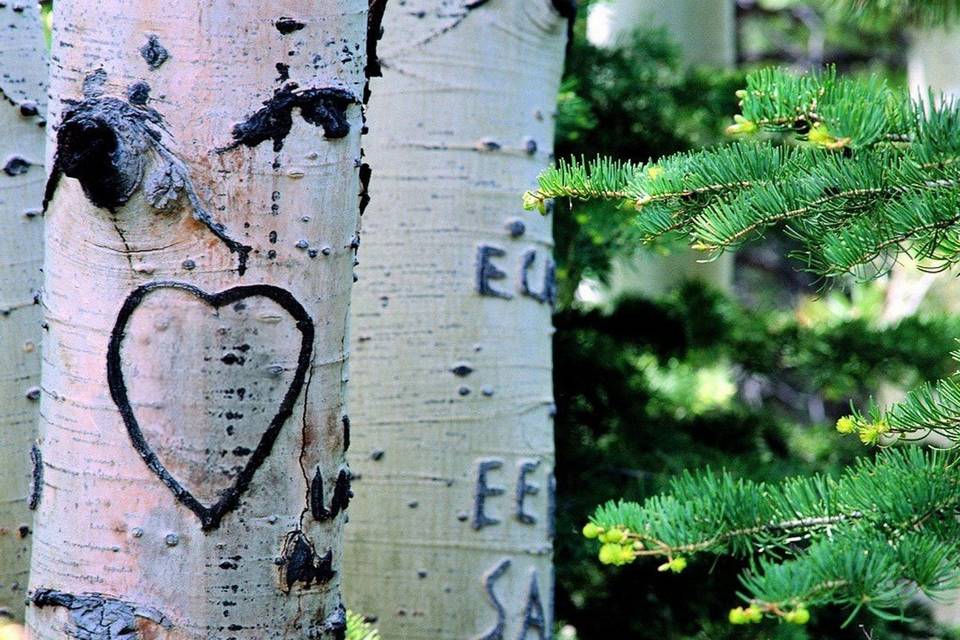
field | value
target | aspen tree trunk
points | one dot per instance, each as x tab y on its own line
705	31
931	64
450	536
23	98
201	222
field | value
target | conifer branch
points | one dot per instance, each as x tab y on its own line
872	174
865	539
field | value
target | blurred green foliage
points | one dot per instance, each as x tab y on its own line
647	391
46	14
359	629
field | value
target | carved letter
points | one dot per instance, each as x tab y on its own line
487	271
525	489
340	500
480	518
551	505
550	283
533	616
549	292
491	576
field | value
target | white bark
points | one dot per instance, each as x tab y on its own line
451	362
22	107
932	64
705	31
145	315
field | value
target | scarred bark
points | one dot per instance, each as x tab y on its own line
201	229
22	109
450	532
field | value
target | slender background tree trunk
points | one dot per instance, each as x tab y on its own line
199	251
23	99
932	63
451	396
705	31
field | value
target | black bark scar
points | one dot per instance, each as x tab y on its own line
301	563
16	166
287	25
210	516
154	53
105	143
322	107
318	509
374	33
95	616
365	173
336	623
36	486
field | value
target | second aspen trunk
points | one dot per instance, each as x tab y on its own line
450	536
23	100
203	205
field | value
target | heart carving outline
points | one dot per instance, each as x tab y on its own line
210	516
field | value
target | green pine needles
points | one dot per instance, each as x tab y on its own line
884	530
930	409
359	629
861	176
856	171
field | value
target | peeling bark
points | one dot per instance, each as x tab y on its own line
196	301
451	367
94	616
23	89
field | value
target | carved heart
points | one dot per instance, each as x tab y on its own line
210	515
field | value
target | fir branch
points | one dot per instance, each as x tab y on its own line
876	175
931	408
857	569
892	506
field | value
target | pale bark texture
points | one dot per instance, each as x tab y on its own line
451	392
201	231
705	31
932	63
23	92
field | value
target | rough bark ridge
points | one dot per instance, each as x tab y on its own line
199	260
450	533
23	94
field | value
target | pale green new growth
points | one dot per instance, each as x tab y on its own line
360	629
